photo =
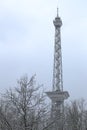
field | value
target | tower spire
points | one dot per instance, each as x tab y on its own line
57	12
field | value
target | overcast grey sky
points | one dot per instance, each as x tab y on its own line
27	42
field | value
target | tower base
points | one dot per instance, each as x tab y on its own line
57	110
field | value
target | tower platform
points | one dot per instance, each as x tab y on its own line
58	96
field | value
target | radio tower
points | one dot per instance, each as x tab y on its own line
57	95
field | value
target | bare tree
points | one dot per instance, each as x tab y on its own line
25	106
74	115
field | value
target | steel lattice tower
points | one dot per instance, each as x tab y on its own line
57	95
57	70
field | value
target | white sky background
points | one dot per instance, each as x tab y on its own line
27	41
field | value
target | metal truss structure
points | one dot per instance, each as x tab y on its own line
57	95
